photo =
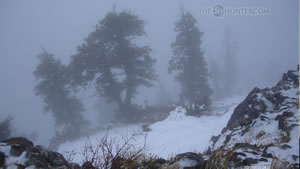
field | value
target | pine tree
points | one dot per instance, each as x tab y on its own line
53	87
111	59
189	63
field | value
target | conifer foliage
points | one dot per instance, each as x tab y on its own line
53	80
111	60
189	64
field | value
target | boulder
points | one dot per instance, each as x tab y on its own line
40	157
18	145
23	154
190	160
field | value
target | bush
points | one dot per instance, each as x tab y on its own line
146	128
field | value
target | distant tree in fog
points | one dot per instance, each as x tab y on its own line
111	59
225	70
5	129
230	70
189	63
52	85
216	77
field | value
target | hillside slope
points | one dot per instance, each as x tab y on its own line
178	133
260	131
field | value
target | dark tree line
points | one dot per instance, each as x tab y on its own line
116	65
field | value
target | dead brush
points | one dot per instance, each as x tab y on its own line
277	163
220	158
112	153
69	155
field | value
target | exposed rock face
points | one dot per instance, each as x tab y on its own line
258	100
264	126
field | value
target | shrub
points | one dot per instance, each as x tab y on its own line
146	128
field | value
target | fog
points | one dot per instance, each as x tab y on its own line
266	46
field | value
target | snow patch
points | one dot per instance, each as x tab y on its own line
187	163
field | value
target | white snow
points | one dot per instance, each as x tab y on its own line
290	93
10	161
30	167
5	148
176	134
269	105
187	163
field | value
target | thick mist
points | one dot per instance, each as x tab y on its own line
264	47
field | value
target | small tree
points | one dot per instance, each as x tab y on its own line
111	59
53	87
5	128
189	63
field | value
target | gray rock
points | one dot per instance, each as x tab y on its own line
41	157
250	161
18	145
198	158
37	156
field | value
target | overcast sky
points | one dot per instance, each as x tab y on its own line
267	44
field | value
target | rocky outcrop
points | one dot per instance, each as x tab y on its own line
21	153
263	100
264	126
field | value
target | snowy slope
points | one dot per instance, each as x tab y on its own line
176	134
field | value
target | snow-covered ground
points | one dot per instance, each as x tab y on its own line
176	134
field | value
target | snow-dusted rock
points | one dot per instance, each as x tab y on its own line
21	153
264	126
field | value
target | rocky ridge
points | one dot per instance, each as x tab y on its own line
264	127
